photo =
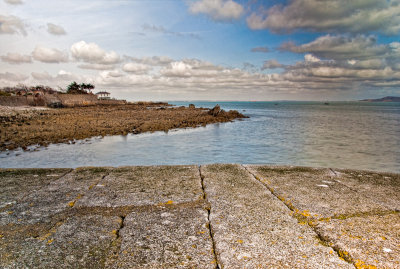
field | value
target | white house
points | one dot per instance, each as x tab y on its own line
103	95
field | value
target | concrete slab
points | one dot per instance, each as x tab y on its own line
149	185
166	237
157	217
314	193
17	183
382	188
253	229
367	241
52	201
79	242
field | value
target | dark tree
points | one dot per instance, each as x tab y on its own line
87	87
83	88
73	88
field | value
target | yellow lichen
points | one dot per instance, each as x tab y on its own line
305	213
50	241
169	202
361	265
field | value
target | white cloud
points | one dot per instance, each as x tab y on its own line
162	30
92	53
13	77
218	10
41	76
97	66
62	78
192	68
16	58
271	64
55	29
11	25
340	47
14	2
49	55
357	16
178	69
153	61
310	58
136	68
352	62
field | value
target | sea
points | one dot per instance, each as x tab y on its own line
354	135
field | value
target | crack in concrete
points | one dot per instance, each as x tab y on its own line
383	204
115	245
125	210
324	241
217	266
121	226
80	195
340	182
48	183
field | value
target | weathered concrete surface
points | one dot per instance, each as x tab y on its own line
382	188
314	192
166	237
367	241
53	200
145	186
227	216
253	229
17	183
355	212
79	242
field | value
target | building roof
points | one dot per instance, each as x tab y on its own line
102	93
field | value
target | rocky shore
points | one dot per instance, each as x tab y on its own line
24	127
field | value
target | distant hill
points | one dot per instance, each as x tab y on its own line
384	99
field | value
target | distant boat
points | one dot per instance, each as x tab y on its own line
326	103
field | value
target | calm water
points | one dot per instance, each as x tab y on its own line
342	135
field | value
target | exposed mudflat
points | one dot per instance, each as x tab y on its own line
26	127
213	216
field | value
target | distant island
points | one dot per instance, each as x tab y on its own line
384	99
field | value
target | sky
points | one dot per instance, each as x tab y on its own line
165	50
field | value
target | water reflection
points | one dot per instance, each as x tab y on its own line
343	135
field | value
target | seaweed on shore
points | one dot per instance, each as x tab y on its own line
24	128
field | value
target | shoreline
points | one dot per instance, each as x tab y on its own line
24	127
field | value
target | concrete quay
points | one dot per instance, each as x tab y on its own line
211	216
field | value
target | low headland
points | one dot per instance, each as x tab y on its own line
44	117
383	99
